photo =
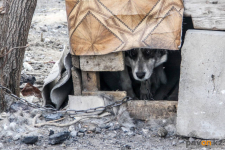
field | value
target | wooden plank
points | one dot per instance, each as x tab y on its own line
146	110
76	76
109	62
206	14
75	61
118	95
90	81
215	23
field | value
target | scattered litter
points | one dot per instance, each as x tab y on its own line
1	145
174	143
55	116
162	132
73	133
82	130
27	66
30	90
98	130
91	128
16	106
58	138
27	79
79	134
30	139
51	132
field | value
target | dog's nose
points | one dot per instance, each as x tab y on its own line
140	75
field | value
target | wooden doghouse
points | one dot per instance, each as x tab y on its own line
87	83
100	30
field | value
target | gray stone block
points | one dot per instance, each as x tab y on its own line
85	102
201	105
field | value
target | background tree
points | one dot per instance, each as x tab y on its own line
15	21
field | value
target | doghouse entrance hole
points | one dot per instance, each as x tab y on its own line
110	81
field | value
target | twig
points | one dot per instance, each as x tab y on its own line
45	62
64	125
2	10
109	120
1	56
35	118
56	120
13	49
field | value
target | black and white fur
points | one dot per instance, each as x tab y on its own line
146	66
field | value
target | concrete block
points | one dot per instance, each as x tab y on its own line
201	105
85	102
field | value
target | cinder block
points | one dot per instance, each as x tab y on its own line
85	102
201	105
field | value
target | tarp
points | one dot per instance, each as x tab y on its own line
99	27
58	85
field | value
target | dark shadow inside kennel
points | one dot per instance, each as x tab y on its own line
110	81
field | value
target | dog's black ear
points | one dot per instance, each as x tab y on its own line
162	52
161	60
127	53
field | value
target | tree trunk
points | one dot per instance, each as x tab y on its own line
15	23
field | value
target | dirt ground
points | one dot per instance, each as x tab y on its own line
47	38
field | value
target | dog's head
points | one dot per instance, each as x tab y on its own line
143	61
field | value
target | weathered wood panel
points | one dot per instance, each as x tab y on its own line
118	95
146	110
77	86
90	81
108	62
75	61
206	14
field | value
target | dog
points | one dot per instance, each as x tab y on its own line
146	67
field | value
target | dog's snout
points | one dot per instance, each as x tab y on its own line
140	75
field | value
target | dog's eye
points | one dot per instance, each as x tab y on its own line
147	52
133	53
